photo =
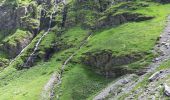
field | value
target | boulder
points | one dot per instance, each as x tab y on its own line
167	90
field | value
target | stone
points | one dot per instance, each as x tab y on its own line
167	45
163	43
167	90
125	81
155	76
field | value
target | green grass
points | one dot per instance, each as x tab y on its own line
18	85
26	84
16	37
132	37
124	39
49	39
75	35
80	83
164	65
138	37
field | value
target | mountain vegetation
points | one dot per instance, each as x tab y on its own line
84	49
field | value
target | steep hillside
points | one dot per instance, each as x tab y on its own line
84	49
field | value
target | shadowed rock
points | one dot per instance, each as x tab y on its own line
163	1
104	63
117	19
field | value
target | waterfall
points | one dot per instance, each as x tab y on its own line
26	11
40	39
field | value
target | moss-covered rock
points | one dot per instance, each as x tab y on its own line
16	42
104	63
120	18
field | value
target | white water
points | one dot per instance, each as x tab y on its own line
40	39
26	11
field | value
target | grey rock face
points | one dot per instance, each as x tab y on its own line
10	16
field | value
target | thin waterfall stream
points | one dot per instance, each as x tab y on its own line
40	39
26	11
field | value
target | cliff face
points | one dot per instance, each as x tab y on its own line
11	16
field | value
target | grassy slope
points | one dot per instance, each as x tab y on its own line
132	37
27	84
127	38
16	84
80	83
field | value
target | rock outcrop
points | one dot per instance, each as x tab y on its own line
11	16
104	63
120	18
14	44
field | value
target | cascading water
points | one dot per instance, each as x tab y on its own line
40	39
26	11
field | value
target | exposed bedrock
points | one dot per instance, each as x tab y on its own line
13	49
104	63
11	16
117	19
